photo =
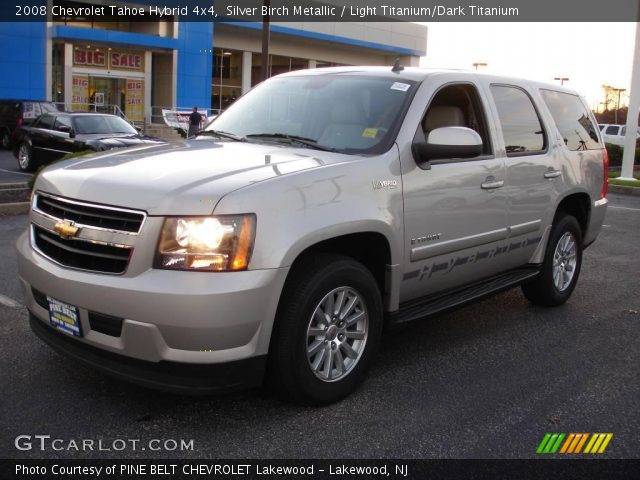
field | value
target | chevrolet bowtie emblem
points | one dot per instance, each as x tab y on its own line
65	229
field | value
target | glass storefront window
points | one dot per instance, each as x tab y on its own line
227	78
277	65
57	74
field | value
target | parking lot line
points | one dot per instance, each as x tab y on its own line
625	208
9	302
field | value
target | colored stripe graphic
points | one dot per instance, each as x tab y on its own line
551	443
598	442
581	443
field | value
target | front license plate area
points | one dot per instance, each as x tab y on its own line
64	317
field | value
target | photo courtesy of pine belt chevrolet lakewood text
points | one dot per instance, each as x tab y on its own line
274	245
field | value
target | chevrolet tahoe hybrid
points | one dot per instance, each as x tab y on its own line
275	244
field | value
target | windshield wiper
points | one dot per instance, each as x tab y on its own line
220	133
309	142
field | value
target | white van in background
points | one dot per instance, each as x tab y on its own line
615	133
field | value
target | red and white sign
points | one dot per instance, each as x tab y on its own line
90	58
122	60
131	61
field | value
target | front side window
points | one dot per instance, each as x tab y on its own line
457	105
62	122
572	119
345	113
521	127
45	121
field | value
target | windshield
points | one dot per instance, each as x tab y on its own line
101	124
345	113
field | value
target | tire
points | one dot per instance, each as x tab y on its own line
5	139
561	267
26	162
315	360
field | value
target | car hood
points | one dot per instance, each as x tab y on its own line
186	178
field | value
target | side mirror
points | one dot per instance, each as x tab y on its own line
72	133
448	143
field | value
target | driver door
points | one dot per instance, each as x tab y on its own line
455	208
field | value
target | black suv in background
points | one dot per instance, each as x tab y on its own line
15	113
53	135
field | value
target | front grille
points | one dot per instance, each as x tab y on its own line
97	216
106	324
82	254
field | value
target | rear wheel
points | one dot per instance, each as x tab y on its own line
561	267
328	328
25	157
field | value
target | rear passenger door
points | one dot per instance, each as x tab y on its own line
41	135
531	169
578	145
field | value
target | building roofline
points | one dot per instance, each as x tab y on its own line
326	37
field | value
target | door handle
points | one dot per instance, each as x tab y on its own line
491	183
552	173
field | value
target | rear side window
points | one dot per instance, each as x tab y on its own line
612	130
521	127
573	121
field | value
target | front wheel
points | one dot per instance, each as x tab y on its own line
26	161
327	329
561	267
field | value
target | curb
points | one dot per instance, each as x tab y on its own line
18	208
624	189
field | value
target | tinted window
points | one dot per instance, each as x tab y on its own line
572	119
612	130
520	123
45	121
66	121
600	127
101	124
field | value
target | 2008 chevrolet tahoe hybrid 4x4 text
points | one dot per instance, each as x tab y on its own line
275	243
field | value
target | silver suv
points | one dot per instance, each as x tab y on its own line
323	203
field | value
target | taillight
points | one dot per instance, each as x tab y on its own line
605	180
19	122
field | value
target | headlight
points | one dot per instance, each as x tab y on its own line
220	243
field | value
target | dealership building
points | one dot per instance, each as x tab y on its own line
140	67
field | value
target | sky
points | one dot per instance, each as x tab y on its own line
590	54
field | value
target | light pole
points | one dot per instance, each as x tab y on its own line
266	29
561	79
479	64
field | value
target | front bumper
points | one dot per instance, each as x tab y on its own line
168	317
169	376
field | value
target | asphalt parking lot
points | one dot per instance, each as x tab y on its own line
486	381
9	170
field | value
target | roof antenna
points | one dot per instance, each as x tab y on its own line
396	66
